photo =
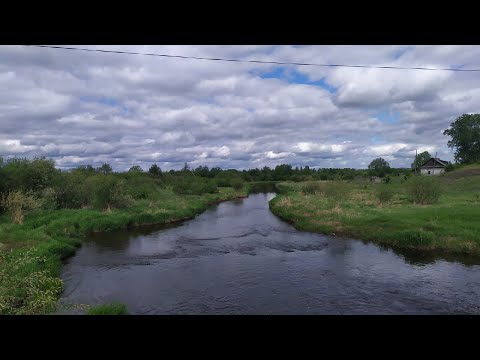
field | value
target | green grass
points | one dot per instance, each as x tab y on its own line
31	254
108	309
450	225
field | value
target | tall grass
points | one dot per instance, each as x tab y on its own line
108	309
424	189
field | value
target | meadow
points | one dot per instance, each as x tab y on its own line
387	213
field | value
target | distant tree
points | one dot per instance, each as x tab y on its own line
185	167
155	170
202	171
105	169
379	167
465	134
28	175
135	169
420	160
88	169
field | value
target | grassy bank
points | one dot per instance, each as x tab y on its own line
31	254
353	209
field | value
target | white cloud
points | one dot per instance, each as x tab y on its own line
81	108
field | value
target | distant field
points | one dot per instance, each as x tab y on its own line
450	225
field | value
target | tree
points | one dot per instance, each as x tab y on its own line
135	169
465	134
105	169
420	160
155	170
379	167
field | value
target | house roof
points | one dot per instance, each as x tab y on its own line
434	163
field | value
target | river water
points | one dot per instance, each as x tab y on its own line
239	258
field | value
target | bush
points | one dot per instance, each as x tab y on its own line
387	179
424	190
108	309
203	186
195	186
139	185
18	204
384	194
49	199
222	181
119	198
72	190
311	188
449	167
108	192
296	178
237	184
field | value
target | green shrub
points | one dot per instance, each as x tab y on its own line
182	187
387	179
108	192
449	167
194	186
108	309
49	199
237	184
201	186
18	204
72	191
119	198
139	185
424	190
222	181
384	193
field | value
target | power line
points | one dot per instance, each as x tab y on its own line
255	61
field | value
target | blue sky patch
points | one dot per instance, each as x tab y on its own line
397	54
391	117
105	101
377	140
293	76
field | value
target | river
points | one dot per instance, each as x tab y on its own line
239	258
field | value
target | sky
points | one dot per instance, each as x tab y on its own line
81	108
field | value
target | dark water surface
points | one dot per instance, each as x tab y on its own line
239	258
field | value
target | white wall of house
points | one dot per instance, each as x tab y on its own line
433	171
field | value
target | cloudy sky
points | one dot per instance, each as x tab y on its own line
83	108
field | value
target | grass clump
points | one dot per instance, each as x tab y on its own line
416	238
337	190
311	188
424	190
108	309
384	194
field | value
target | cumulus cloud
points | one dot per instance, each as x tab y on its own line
88	108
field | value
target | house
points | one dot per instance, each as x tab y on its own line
434	166
375	179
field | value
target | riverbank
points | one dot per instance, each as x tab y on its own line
452	225
31	254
